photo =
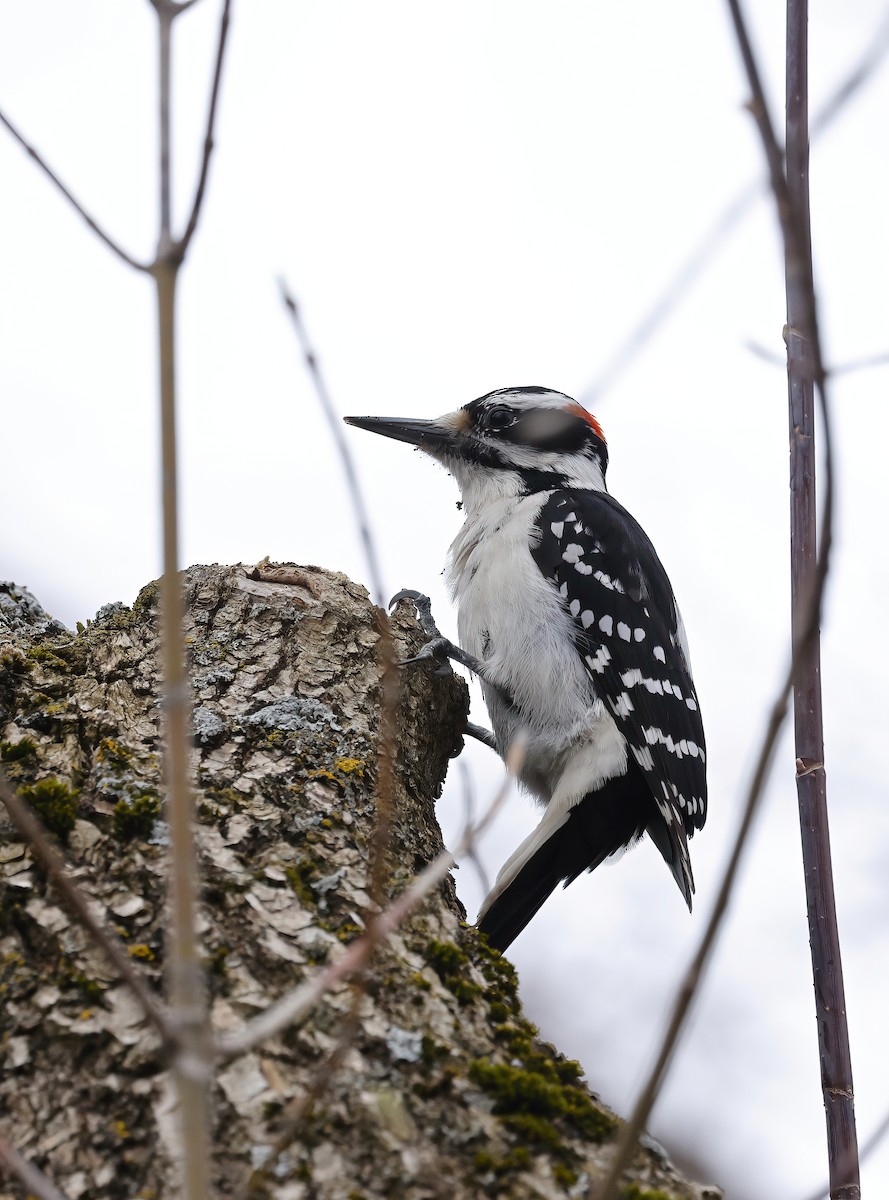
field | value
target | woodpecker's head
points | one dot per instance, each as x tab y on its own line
514	440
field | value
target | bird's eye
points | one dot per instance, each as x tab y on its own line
500	417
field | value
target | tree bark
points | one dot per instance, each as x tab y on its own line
444	1089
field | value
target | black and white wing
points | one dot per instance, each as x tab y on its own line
630	635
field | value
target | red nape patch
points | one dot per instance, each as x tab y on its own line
580	411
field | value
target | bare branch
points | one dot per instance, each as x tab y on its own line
868	1147
695	972
165	17
185	972
78	903
192	1069
75	204
806	615
296	1004
848	368
35	1181
805	368
182	245
336	428
643	331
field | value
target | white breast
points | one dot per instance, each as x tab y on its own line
512	618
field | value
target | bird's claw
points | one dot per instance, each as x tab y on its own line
423	606
438	650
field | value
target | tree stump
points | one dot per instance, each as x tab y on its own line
441	1089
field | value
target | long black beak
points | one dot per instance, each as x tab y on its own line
427	435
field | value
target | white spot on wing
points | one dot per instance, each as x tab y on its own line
600	660
606	624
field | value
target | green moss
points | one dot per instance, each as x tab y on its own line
112	753
74	654
56	805
13	662
514	1160
90	989
133	820
16	751
216	962
536	1131
349	931
418	980
634	1191
147	600
451	965
47	657
431	1051
537	1091
351	766
141	950
446	958
564	1175
300	876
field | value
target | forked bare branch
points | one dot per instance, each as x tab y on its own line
181	247
94	225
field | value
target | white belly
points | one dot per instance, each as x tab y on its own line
513	619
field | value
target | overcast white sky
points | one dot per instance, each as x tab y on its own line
466	197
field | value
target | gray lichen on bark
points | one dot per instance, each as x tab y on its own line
444	1090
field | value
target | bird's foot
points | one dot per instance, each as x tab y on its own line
423	606
438	649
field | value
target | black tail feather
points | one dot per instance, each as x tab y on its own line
603	822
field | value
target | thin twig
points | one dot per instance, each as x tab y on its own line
695	971
297	1003
720	230
807	610
300	1108
79	905
166	14
75	204
359	507
857	364
804	368
387	737
183	243
34	1180
387	747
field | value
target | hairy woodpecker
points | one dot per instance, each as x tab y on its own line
569	620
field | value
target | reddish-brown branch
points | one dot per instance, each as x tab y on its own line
803	367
